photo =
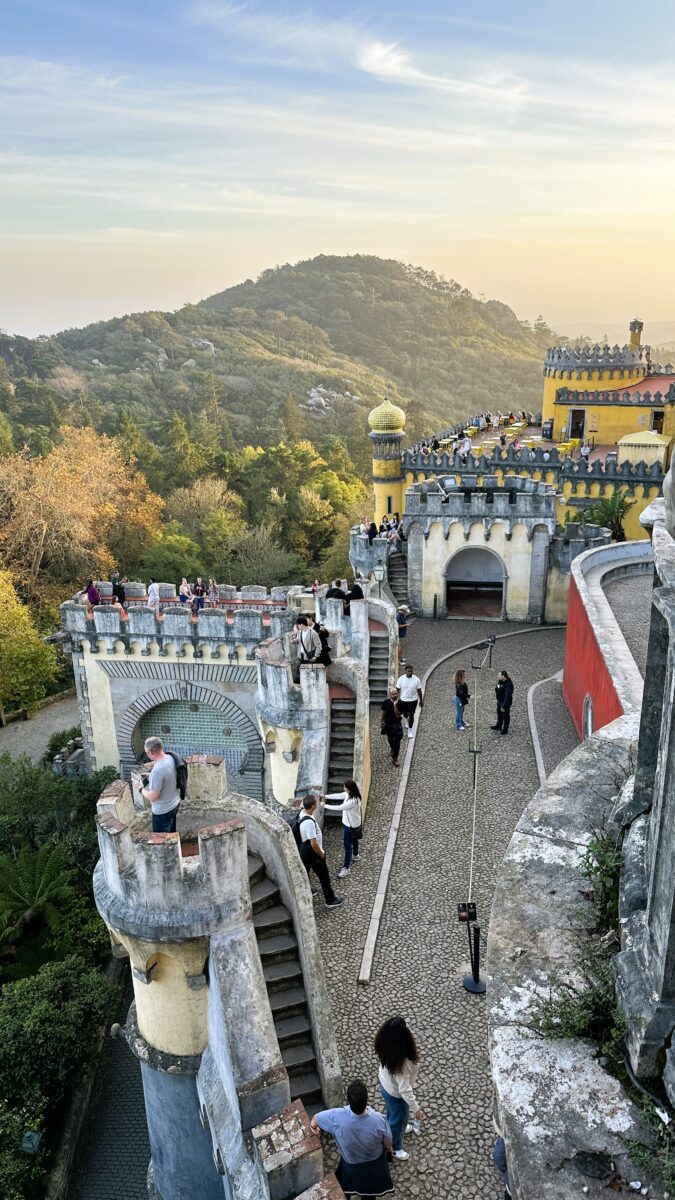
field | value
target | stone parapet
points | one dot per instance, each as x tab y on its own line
289	1151
598	357
574	539
528	462
516	500
649	399
566	1122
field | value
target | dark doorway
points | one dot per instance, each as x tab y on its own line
657	422
474	584
577	422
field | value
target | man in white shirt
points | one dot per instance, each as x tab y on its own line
153	597
410	692
312	852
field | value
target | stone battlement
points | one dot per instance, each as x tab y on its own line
516	498
103	628
171	886
654	399
279	700
529	461
574	539
598	357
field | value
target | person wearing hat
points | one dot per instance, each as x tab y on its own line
402	614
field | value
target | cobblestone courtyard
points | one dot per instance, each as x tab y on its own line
422	953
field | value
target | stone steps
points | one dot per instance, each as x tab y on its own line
284	980
341	756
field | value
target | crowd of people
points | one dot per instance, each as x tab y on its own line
390	527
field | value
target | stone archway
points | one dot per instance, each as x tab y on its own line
475	583
193	718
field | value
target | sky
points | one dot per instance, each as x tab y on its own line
153	152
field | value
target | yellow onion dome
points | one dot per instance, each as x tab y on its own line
386	418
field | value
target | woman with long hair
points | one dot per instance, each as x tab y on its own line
352	820
461	698
397	1051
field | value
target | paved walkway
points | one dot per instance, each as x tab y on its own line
422	953
630	599
31	737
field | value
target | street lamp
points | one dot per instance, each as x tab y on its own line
379	571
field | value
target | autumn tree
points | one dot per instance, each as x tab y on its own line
78	511
27	665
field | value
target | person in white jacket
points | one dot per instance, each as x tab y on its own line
396	1049
350	807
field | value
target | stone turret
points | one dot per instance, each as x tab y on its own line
387	423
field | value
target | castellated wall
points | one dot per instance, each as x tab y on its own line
191	682
180	906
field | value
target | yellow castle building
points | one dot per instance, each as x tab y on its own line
603	393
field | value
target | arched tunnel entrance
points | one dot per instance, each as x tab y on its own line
475	581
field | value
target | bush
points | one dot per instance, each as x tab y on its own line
80	930
19	1173
47	1025
58	740
37	806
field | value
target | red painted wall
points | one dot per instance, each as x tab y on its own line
585	671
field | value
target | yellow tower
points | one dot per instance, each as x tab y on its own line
387	423
636	328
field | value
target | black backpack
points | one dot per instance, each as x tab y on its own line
181	773
295	826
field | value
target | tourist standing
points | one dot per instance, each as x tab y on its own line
410	692
391	724
198	594
397	1051
403	625
306	639
364	1140
153	596
352	822
312	852
161	788
214	595
461	698
504	694
585	452
118	587
92	593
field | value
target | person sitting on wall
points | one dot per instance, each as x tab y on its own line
116	604
160	789
365	1143
372	532
435	445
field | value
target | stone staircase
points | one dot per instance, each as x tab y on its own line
278	949
378	666
397	576
341	759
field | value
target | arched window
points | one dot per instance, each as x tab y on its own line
587	717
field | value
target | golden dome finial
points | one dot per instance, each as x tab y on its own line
387	418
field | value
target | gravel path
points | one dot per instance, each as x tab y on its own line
422	953
31	737
630	599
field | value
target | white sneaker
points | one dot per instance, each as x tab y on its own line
401	1154
410	732
343	872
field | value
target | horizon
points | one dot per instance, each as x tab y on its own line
150	160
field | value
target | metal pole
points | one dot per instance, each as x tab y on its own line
473	982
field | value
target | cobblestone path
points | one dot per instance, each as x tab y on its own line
422	953
114	1152
31	737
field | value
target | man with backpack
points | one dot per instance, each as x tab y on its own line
307	833
162	788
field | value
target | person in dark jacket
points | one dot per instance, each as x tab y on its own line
336	591
461	698
372	532
392	723
504	694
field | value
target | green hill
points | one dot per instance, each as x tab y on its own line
334	333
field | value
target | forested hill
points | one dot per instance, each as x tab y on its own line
448	353
354	327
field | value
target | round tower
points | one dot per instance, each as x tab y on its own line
387	423
163	897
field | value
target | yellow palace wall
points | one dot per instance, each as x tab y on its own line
605	423
611	379
515	553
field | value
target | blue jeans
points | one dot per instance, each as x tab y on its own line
165	822
351	848
397	1116
459	713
